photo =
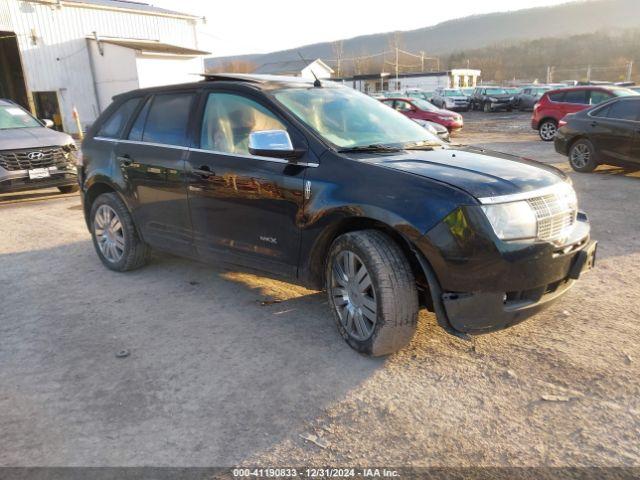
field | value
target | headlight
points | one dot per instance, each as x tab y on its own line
493	99
512	221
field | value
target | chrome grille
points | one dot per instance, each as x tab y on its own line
555	215
19	159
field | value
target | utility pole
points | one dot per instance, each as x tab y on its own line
422	61
629	70
397	67
589	73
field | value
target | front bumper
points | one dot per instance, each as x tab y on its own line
484	284
487	312
19	181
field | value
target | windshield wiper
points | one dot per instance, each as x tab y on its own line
426	145
375	147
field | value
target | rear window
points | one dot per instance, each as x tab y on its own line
556	97
118	120
168	119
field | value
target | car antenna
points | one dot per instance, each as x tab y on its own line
317	82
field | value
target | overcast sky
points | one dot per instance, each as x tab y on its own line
255	26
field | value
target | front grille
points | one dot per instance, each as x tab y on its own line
556	216
42	158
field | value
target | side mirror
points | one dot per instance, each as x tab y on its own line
273	143
48	123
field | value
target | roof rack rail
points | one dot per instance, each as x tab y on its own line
234	77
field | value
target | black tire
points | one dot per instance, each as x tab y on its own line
547	129
69	188
392	289
135	252
486	107
583	156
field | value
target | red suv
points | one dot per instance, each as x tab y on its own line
556	104
422	110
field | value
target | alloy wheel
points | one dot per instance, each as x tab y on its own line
353	295
580	155
109	233
548	130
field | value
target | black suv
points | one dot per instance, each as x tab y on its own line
33	156
330	188
491	99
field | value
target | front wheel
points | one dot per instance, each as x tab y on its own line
114	234
582	156
486	107
372	292
547	130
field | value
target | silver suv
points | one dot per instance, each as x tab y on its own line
32	155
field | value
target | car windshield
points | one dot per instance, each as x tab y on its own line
453	93
347	118
424	105
541	90
624	92
12	116
496	91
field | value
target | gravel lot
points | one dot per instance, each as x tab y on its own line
219	375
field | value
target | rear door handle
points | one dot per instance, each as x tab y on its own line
594	124
203	172
125	160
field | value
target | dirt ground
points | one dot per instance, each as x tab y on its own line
216	376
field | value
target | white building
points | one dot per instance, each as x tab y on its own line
297	68
428	81
57	55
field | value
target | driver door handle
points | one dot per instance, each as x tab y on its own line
204	172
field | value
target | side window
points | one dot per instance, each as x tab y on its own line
601	112
116	123
526	91
402	106
138	127
168	119
557	97
599	96
624	110
576	96
229	119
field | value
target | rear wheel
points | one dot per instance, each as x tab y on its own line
548	129
114	235
69	188
582	156
372	292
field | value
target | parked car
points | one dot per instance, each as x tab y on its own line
556	104
418	109
451	99
529	97
426	95
467	91
635	89
491	99
435	128
606	134
327	187
33	156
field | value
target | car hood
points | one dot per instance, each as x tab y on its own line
23	138
502	96
458	97
478	172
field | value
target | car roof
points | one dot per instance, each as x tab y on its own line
259	82
406	99
6	102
